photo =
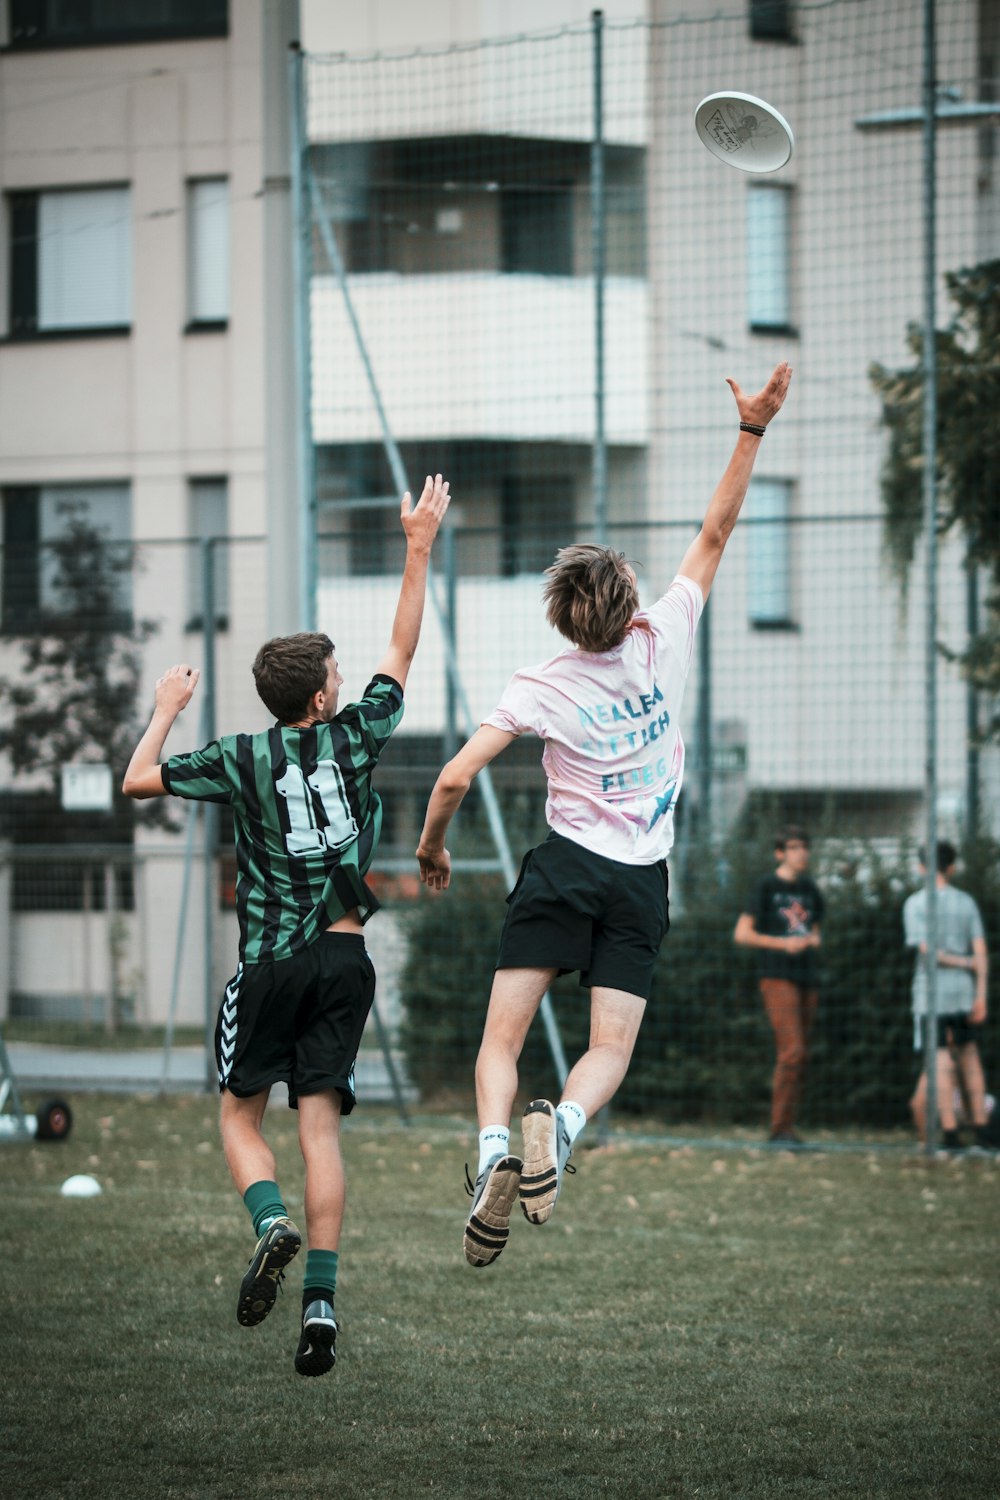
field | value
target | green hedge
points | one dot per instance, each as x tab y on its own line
705	1050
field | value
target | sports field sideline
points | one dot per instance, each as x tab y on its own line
691	1323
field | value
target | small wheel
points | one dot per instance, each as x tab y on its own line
53	1121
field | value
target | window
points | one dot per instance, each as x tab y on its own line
208	252
537	514
70	260
769	259
66	552
478	203
208	517
82	23
769	553
771	21
537	230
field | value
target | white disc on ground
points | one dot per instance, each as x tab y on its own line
744	131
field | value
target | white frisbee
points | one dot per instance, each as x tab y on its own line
744	131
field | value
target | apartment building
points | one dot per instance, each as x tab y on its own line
147	392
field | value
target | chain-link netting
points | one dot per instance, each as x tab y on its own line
459	215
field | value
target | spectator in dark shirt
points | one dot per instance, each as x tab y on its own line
781	919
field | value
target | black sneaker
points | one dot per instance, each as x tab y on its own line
493	1194
547	1151
951	1142
317	1351
278	1245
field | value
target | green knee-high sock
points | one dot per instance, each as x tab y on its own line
264	1203
320	1279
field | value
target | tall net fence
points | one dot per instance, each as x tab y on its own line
546	315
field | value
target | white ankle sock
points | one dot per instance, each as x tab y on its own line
572	1117
494	1140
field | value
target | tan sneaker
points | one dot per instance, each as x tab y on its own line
547	1151
493	1195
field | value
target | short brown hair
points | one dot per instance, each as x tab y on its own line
590	596
792	833
289	669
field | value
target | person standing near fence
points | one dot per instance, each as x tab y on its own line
781	920
593	896
307	824
962	972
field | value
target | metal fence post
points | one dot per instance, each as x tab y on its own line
210	821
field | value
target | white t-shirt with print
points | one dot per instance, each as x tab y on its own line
614	756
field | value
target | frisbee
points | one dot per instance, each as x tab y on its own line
744	131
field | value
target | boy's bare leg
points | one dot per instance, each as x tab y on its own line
251	1165
319	1140
248	1156
615	1017
514	999
946	1089
971	1068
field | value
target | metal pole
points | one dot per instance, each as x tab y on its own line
930	526
209	812
705	723
484	779
971	699
301	262
451	624
597	212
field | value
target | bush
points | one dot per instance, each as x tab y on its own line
705	1050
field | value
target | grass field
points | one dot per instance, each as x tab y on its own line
691	1323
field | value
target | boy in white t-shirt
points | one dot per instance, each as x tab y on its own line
593	896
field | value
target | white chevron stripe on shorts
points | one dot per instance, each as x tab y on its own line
228	1025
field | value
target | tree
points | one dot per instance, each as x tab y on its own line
968	443
73	699
75	696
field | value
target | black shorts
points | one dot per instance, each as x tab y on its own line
954	1030
297	1021
572	909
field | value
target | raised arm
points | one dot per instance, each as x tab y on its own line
446	798
144	777
705	553
420	522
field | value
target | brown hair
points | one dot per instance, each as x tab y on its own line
790	834
289	669
590	596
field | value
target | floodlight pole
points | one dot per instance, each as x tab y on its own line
599	469
930	529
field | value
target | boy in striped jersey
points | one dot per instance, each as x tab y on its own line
307	824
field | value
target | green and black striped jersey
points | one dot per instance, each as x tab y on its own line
307	818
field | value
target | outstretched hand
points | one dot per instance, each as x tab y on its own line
767	403
421	521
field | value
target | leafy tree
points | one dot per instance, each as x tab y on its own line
968	442
74	698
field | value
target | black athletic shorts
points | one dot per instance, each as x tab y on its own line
962	1030
297	1021
572	909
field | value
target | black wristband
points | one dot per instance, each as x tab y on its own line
752	427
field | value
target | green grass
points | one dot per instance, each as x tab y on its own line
125	1037
691	1323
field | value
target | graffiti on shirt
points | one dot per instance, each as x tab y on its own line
797	917
616	729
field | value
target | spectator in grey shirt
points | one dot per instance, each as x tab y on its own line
962	969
